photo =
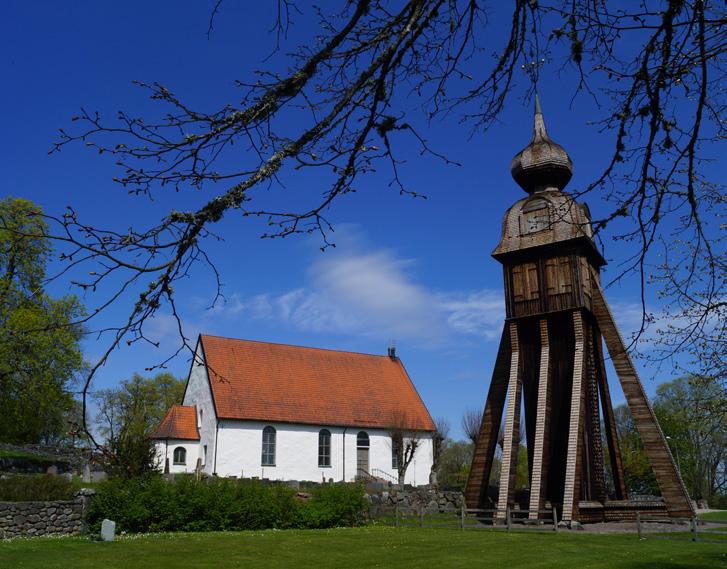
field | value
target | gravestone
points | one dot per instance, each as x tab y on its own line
98	476
108	530
86	478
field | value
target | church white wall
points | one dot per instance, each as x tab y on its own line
165	449
198	393
239	453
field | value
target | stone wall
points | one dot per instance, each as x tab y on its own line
60	517
35	459
431	501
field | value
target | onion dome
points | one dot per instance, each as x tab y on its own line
542	164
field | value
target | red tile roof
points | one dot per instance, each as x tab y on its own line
293	384
180	422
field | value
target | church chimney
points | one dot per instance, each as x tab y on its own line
391	350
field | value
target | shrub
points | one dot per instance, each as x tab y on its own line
334	505
130	455
218	504
44	488
153	504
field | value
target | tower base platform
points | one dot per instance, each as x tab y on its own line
620	510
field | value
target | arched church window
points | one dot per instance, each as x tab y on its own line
324	448
268	457
362	439
180	455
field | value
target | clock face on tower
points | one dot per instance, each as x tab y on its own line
536	221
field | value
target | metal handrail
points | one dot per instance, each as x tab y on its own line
378	473
365	474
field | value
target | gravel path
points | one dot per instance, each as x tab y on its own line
630	527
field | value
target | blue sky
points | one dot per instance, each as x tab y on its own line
414	271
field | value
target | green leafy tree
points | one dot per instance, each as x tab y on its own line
40	354
638	473
693	414
522	476
454	463
73	433
522	470
128	414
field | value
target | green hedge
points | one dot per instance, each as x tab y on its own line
219	504
32	488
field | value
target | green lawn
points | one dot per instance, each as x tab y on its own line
719	516
363	548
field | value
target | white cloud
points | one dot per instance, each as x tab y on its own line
476	313
658	331
373	293
307	310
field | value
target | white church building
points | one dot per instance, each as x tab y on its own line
282	412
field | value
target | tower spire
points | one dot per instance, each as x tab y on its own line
539	132
542	164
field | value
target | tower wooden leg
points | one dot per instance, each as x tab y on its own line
667	476
538	481
484	452
512	424
597	482
609	423
572	474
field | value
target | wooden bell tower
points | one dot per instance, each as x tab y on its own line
550	363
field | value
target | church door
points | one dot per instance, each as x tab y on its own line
362	453
362	460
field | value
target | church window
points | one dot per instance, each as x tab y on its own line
362	439
324	448
180	455
268	457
